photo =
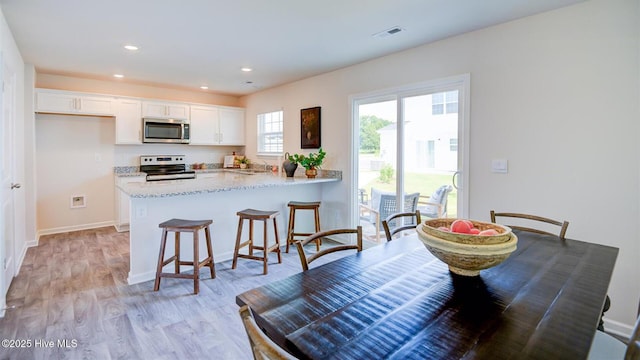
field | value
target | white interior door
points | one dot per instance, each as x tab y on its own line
7	241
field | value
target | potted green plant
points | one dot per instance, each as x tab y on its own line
310	162
244	161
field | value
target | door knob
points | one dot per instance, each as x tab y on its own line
15	186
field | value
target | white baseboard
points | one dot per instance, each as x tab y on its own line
617	328
64	229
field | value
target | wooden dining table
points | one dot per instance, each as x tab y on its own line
397	301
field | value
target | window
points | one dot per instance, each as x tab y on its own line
444	103
453	144
270	136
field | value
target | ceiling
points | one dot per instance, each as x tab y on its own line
190	43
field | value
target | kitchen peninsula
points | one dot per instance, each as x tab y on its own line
215	195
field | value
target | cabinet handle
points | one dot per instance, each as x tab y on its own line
220	137
79	104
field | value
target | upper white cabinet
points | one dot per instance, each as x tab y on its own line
231	126
61	102
204	125
215	125
129	121
165	110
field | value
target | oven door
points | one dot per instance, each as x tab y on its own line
165	131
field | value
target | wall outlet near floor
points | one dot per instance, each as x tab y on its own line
141	211
78	201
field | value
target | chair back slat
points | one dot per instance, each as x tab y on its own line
262	347
562	224
306	259
391	227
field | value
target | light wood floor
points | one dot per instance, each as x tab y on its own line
73	287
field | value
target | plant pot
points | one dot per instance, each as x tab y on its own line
243	166
289	168
311	173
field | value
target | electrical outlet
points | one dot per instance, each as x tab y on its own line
141	211
78	201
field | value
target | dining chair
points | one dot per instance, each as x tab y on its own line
306	259
435	206
383	204
562	224
409	221
262	347
605	346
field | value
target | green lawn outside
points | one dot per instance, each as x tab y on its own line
423	183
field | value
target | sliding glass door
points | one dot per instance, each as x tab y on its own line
409	150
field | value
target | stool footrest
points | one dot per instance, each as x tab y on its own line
181	275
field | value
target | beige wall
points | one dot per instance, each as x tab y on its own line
556	94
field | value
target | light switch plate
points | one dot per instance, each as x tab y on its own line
500	166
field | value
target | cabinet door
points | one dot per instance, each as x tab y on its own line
204	125
129	122
231	126
178	111
122	202
96	105
163	110
56	103
74	103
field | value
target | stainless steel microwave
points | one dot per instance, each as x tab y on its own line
165	131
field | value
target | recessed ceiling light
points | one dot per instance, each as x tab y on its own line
246	69
131	47
119	76
203	87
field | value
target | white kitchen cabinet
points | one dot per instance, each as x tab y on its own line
231	126
165	110
128	121
122	202
63	102
204	125
217	125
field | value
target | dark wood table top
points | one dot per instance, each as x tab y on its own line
398	301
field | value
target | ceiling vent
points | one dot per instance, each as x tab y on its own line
392	31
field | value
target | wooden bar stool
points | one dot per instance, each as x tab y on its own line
179	226
299	205
264	216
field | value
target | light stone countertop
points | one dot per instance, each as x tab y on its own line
219	180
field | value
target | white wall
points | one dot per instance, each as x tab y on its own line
556	94
74	156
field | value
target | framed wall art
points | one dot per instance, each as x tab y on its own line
310	128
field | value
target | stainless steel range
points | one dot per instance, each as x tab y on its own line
165	167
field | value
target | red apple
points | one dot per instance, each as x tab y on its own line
460	226
468	222
444	228
488	232
474	231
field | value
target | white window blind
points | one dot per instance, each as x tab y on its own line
270	135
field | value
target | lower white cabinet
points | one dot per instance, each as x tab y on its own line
129	121
122	201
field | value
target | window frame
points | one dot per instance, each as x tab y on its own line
262	134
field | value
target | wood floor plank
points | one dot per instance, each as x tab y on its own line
73	286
